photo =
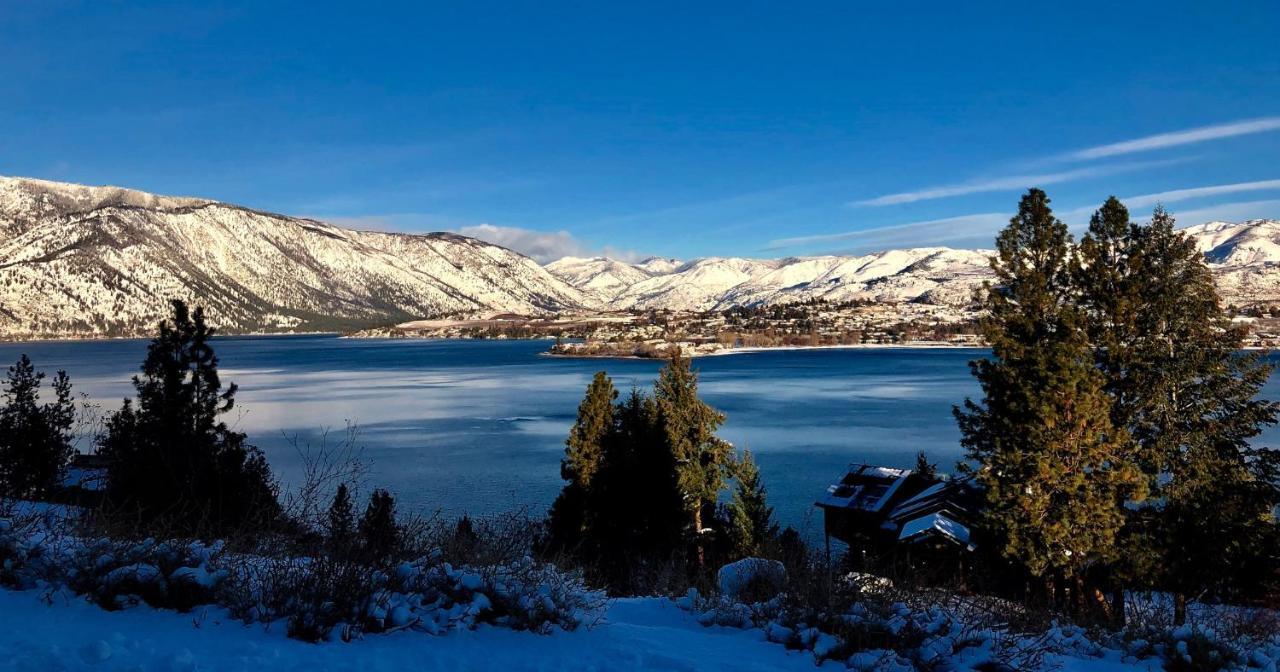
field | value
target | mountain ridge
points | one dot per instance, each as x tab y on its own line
94	261
86	261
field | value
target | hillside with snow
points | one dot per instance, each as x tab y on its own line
1244	257
79	261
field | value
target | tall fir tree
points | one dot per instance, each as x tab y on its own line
750	518
35	438
1198	406
584	451
1191	402
1041	439
340	523
702	460
380	535
170	458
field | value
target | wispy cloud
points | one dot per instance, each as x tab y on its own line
1227	212
964	229
1176	195
1080	216
1178	138
1007	182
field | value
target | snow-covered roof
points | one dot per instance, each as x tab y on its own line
865	487
936	523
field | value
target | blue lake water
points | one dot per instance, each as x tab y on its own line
478	426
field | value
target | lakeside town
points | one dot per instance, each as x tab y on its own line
650	334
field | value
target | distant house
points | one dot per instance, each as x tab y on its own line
883	509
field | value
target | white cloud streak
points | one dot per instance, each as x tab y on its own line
1012	182
1178	138
1227	212
964	228
1176	195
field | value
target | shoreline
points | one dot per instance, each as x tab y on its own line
94	339
918	345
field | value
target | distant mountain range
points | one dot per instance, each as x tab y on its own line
81	261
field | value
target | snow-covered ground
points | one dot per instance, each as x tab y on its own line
67	633
638	634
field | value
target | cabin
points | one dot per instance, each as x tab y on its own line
899	514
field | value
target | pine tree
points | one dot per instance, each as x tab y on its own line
584	450
340	522
170	457
1190	400
35	438
585	444
702	459
1042	439
924	468
1202	406
750	518
379	532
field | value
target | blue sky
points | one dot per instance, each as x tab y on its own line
680	129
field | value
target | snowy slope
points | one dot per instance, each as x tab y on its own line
638	634
101	260
599	277
1244	257
934	274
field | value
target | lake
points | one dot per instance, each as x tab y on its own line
478	426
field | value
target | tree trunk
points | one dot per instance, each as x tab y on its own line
697	537
1179	609
1118	607
1077	597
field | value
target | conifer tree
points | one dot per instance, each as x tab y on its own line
637	514
340	523
584	450
35	438
585	444
1041	438
924	468
379	532
702	459
750	518
1190	400
169	455
1195	405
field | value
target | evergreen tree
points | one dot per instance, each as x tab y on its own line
35	438
750	518
170	458
1190	400
379	532
340	523
1041	438
584	450
1201	404
702	459
637	516
924	468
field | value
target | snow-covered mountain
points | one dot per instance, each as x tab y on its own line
78	260
930	274
91	261
1245	257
